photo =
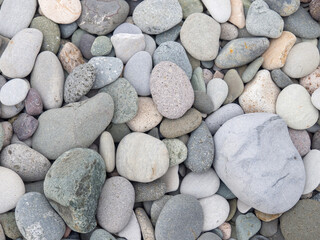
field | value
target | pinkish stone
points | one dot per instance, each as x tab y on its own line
25	126
301	140
33	102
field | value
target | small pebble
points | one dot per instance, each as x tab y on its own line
25	126
14	92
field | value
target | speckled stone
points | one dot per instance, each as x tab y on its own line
100	234
315	10
33	102
9	225
228	31
147	229
70	57
280	78
311	82
101	46
149	191
177	151
7	132
284	7
300	140
25	126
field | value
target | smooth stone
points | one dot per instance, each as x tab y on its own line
238	12
147	229
284	7
157	16
127	28
14	92
102	17
107	151
79	82
315	98
203	102
66	187
101	46
235	85
254	191
76	36
228	31
202	43
312	166
215	211
15	139
32	219
268	229
262	21
115	204
252	70
197	80
33	102
169	84
16	15
25	126
171	179
151	158
190	6
209	236
175	53
207	64
302	215
149	191
266	217
301	24
311	82
220	10
172	128
280	78
35	187
107	70
242	207
200	185
260	95
9	225
26	162
177	151
241	51
70	57
295	107
132	230
226	230
215	120
277	53
137	72
300	140
181	218
126	45
71	126
125	100
18	58
217	90
157	207
315	140
315	10
150	44
7	132
85	45
118	131
67	30
169	35
247	226
100	234
50	31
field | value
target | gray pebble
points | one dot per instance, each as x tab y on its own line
149	191
101	234
157	207
118	131
268	229
127	28
209	236
76	36
101	46
25	126
67	30
225	192
280	78
284	7
202	102
228	31
251	70
85	45
170	35
35	187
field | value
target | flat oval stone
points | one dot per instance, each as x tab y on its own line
315	10
16	15
217	90
147	229
169	84
85	45
18	58
11	111
181	218
157	16
32	219
177	151
150	44
197	80
157	207
33	102
280	78
25	126
102	17
312	166
115	204
301	140
101	46
235	85
107	151
67	30
241	51
260	193
202	43
61	12
66	187
252	70
70	57
239	9
127	28
220	10
295	107
5	133
284	7
151	159
14	92
125	100
118	131
210	236
9	225
228	31
169	35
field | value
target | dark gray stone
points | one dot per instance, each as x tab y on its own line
85	45
225	192
268	229
156	208
67	30
259	237
35	187
25	126
33	102
209	236
149	191
202	102
280	78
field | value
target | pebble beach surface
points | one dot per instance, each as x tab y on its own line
159	119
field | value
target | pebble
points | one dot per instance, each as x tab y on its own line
79	82
220	10
70	123
237	14
10	111
2	236
146	167
262	21
247	226
36	219
127	28
101	46
245	183
251	70
171	179
150	44
33	102
200	185
100	234
169	84
147	229
18	58
25	126
242	207
70	57
301	24
125	100
228	31
157	16
107	70
217	90
181	218
260	95
315	98
312	166
76	36
190	6
315	10
67	30
107	151
14	92
241	51
157	207
300	140
118	131
175	53
209	236
302	215
235	85
48	71
16	15
137	72
85	45
298	112
197	80
266	217
311	82
302	60
11	188
35	187
132	230
9	225
202	43
67	183
268	229
280	78
177	151
7	133
149	191
115	204
169	35
202	102
284	7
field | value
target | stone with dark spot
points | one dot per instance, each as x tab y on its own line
24	126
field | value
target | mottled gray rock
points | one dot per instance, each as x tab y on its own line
72	126
101	46
280	78
149	191
247	226
67	30
238	143
36	219
33	102
251	70
177	151
170	35
202	102
100	234
9	225
284	7
25	126
241	51
228	31
73	185
10	111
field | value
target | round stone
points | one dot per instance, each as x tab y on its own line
101	46
301	140
177	151
67	30
14	92
11	111
315	9
228	31
235	85
312	167
280	78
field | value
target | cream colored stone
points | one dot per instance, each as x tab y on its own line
107	151
260	94
312	81
237	14
70	57
276	55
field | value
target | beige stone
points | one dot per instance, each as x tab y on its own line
107	151
276	55
237	14
70	57
226	230
266	217
312	81
146	227
61	11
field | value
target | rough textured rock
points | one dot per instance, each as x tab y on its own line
70	57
